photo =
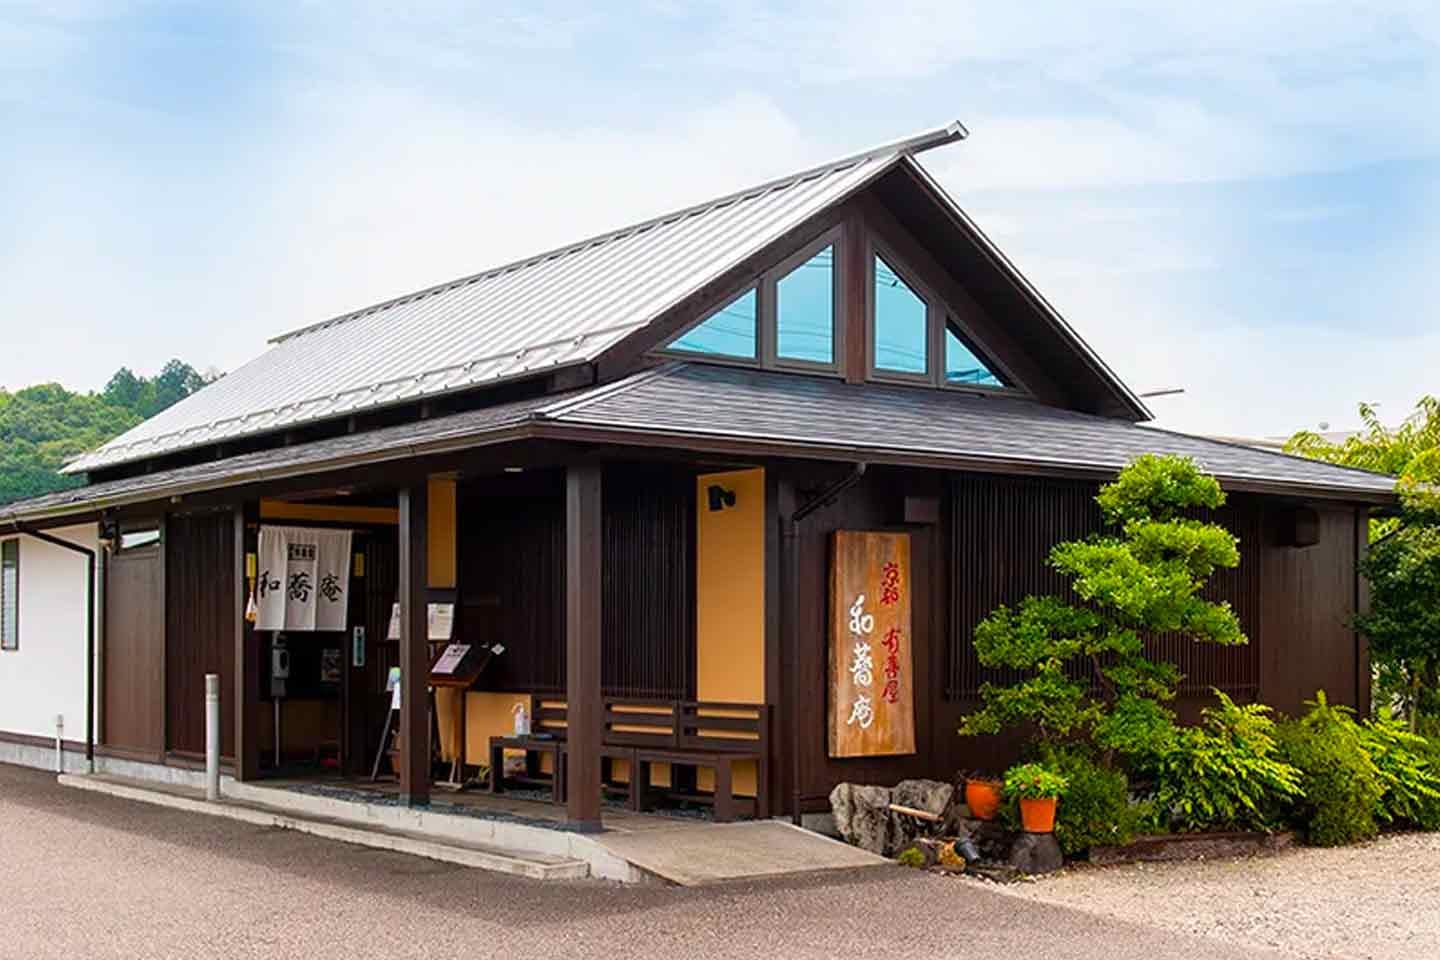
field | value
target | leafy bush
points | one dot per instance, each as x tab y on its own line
1408	772
1097	810
910	857
1342	785
1033	781
1227	772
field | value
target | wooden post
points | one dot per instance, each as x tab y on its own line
584	714
246	695
414	650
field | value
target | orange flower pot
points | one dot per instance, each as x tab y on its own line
1038	815
983	798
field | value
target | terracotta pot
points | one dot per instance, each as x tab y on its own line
1038	815
983	798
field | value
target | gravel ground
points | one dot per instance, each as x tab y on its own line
93	876
1377	900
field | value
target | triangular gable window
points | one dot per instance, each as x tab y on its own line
963	367
728	332
901	324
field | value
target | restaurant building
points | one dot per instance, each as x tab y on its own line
716	500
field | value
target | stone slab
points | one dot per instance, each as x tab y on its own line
736	851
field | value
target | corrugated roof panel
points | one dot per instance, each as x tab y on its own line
554	310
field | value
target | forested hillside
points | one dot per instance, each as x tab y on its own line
43	426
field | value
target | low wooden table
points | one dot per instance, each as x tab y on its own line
541	745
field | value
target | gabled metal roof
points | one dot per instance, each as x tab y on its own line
757	414
559	308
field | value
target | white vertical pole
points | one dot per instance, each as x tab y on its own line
59	743
212	736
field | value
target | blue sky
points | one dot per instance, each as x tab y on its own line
1242	200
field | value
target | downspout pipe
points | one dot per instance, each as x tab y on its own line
89	631
790	611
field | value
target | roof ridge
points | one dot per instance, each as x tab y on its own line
904	147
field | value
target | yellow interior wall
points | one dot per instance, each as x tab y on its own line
441	530
730	599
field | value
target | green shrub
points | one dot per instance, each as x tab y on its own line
1033	781
1342	785
1408	773
910	857
1227	772
1097	810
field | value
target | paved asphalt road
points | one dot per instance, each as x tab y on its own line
90	876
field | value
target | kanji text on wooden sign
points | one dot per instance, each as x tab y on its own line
872	696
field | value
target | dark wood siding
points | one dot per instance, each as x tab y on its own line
1308	604
133	700
990	546
199	627
875	504
1002	530
512	581
648	647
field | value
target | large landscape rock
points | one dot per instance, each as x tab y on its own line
862	815
1034	853
932	796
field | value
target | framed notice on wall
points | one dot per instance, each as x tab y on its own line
872	689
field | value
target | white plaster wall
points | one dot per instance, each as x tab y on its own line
46	676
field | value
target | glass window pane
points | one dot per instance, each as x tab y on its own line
962	366
729	331
805	310
10	595
900	327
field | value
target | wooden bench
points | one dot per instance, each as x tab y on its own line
681	733
718	736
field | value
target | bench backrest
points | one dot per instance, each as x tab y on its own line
547	715
640	723
706	726
724	727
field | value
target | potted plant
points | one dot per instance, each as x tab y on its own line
983	796
1038	788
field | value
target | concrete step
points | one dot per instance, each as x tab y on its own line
538	866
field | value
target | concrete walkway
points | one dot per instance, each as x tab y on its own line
510	835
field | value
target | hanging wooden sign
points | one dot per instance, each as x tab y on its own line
872	690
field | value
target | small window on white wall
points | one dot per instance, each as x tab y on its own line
10	595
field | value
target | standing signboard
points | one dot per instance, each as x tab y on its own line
872	690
